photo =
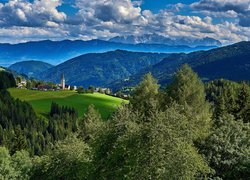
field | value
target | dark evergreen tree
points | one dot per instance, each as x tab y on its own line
6	80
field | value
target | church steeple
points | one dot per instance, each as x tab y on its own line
62	81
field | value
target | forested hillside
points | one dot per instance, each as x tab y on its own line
229	62
99	69
30	68
22	129
188	130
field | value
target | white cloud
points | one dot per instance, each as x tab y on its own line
226	8
21	20
23	13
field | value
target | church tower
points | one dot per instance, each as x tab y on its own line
63	82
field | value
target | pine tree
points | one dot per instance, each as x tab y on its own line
243	103
145	95
90	124
189	91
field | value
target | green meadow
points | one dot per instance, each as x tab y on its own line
41	100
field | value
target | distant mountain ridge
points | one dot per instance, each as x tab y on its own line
230	62
99	69
158	39
30	68
56	52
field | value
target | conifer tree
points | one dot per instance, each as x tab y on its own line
145	96
189	91
90	124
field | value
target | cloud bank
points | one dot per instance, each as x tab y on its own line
22	20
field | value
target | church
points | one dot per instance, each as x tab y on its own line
64	86
62	82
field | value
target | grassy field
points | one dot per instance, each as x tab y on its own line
41	101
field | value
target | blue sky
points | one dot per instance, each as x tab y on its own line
156	5
32	20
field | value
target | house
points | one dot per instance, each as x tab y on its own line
67	87
22	84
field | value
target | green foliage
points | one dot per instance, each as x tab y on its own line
90	124
91	89
22	129
145	94
189	91
229	97
6	80
227	149
69	159
139	146
16	167
80	90
159	135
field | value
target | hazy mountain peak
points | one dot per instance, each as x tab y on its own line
159	39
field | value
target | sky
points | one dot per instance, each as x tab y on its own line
33	20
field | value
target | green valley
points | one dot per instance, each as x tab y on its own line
41	100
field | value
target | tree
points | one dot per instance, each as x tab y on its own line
189	91
22	164
80	90
14	167
7	80
72	88
227	149
20	142
90	124
69	159
145	94
6	170
91	89
18	79
243	103
28	85
159	148
232	97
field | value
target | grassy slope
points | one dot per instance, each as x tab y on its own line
41	101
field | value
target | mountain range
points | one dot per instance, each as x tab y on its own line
100	69
158	39
119	69
230	62
56	52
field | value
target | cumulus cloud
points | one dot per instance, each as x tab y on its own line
226	8
24	13
104	19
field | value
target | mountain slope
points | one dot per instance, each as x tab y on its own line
55	52
158	39
99	69
230	62
30	68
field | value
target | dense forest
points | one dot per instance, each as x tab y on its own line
187	130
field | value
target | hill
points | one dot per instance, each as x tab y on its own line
99	69
230	62
41	101
56	52
30	68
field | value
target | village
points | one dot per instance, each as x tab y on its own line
23	83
